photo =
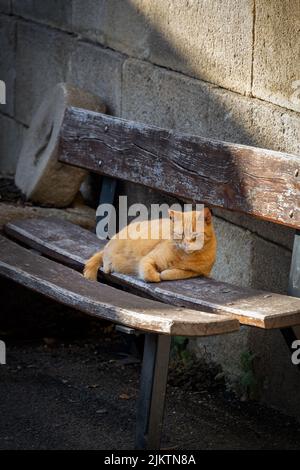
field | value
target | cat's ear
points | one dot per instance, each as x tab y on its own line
207	215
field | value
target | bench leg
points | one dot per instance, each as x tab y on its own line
107	193
153	385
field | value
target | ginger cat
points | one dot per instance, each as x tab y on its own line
183	255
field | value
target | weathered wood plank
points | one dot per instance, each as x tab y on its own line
259	182
70	288
73	245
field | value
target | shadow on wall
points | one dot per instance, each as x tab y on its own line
174	49
211	44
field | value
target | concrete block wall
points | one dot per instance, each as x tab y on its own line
228	70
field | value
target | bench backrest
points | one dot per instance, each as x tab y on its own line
259	182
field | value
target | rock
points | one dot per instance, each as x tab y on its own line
39	175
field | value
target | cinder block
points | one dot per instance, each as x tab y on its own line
56	13
11	137
88	19
246	259
234	254
275	128
276	74
157	96
119	24
7	61
99	71
279	234
5	6
270	266
42	62
208	40
211	40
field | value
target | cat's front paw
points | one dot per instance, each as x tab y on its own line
154	277
148	272
150	276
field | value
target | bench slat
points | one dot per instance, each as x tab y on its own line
70	288
256	181
72	245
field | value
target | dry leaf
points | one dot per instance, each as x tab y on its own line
124	396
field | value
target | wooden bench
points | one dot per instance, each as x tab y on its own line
259	182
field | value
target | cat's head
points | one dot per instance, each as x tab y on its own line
191	230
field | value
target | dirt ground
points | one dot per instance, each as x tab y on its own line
72	383
79	396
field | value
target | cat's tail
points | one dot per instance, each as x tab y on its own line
92	265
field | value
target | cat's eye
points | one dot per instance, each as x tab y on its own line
194	237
